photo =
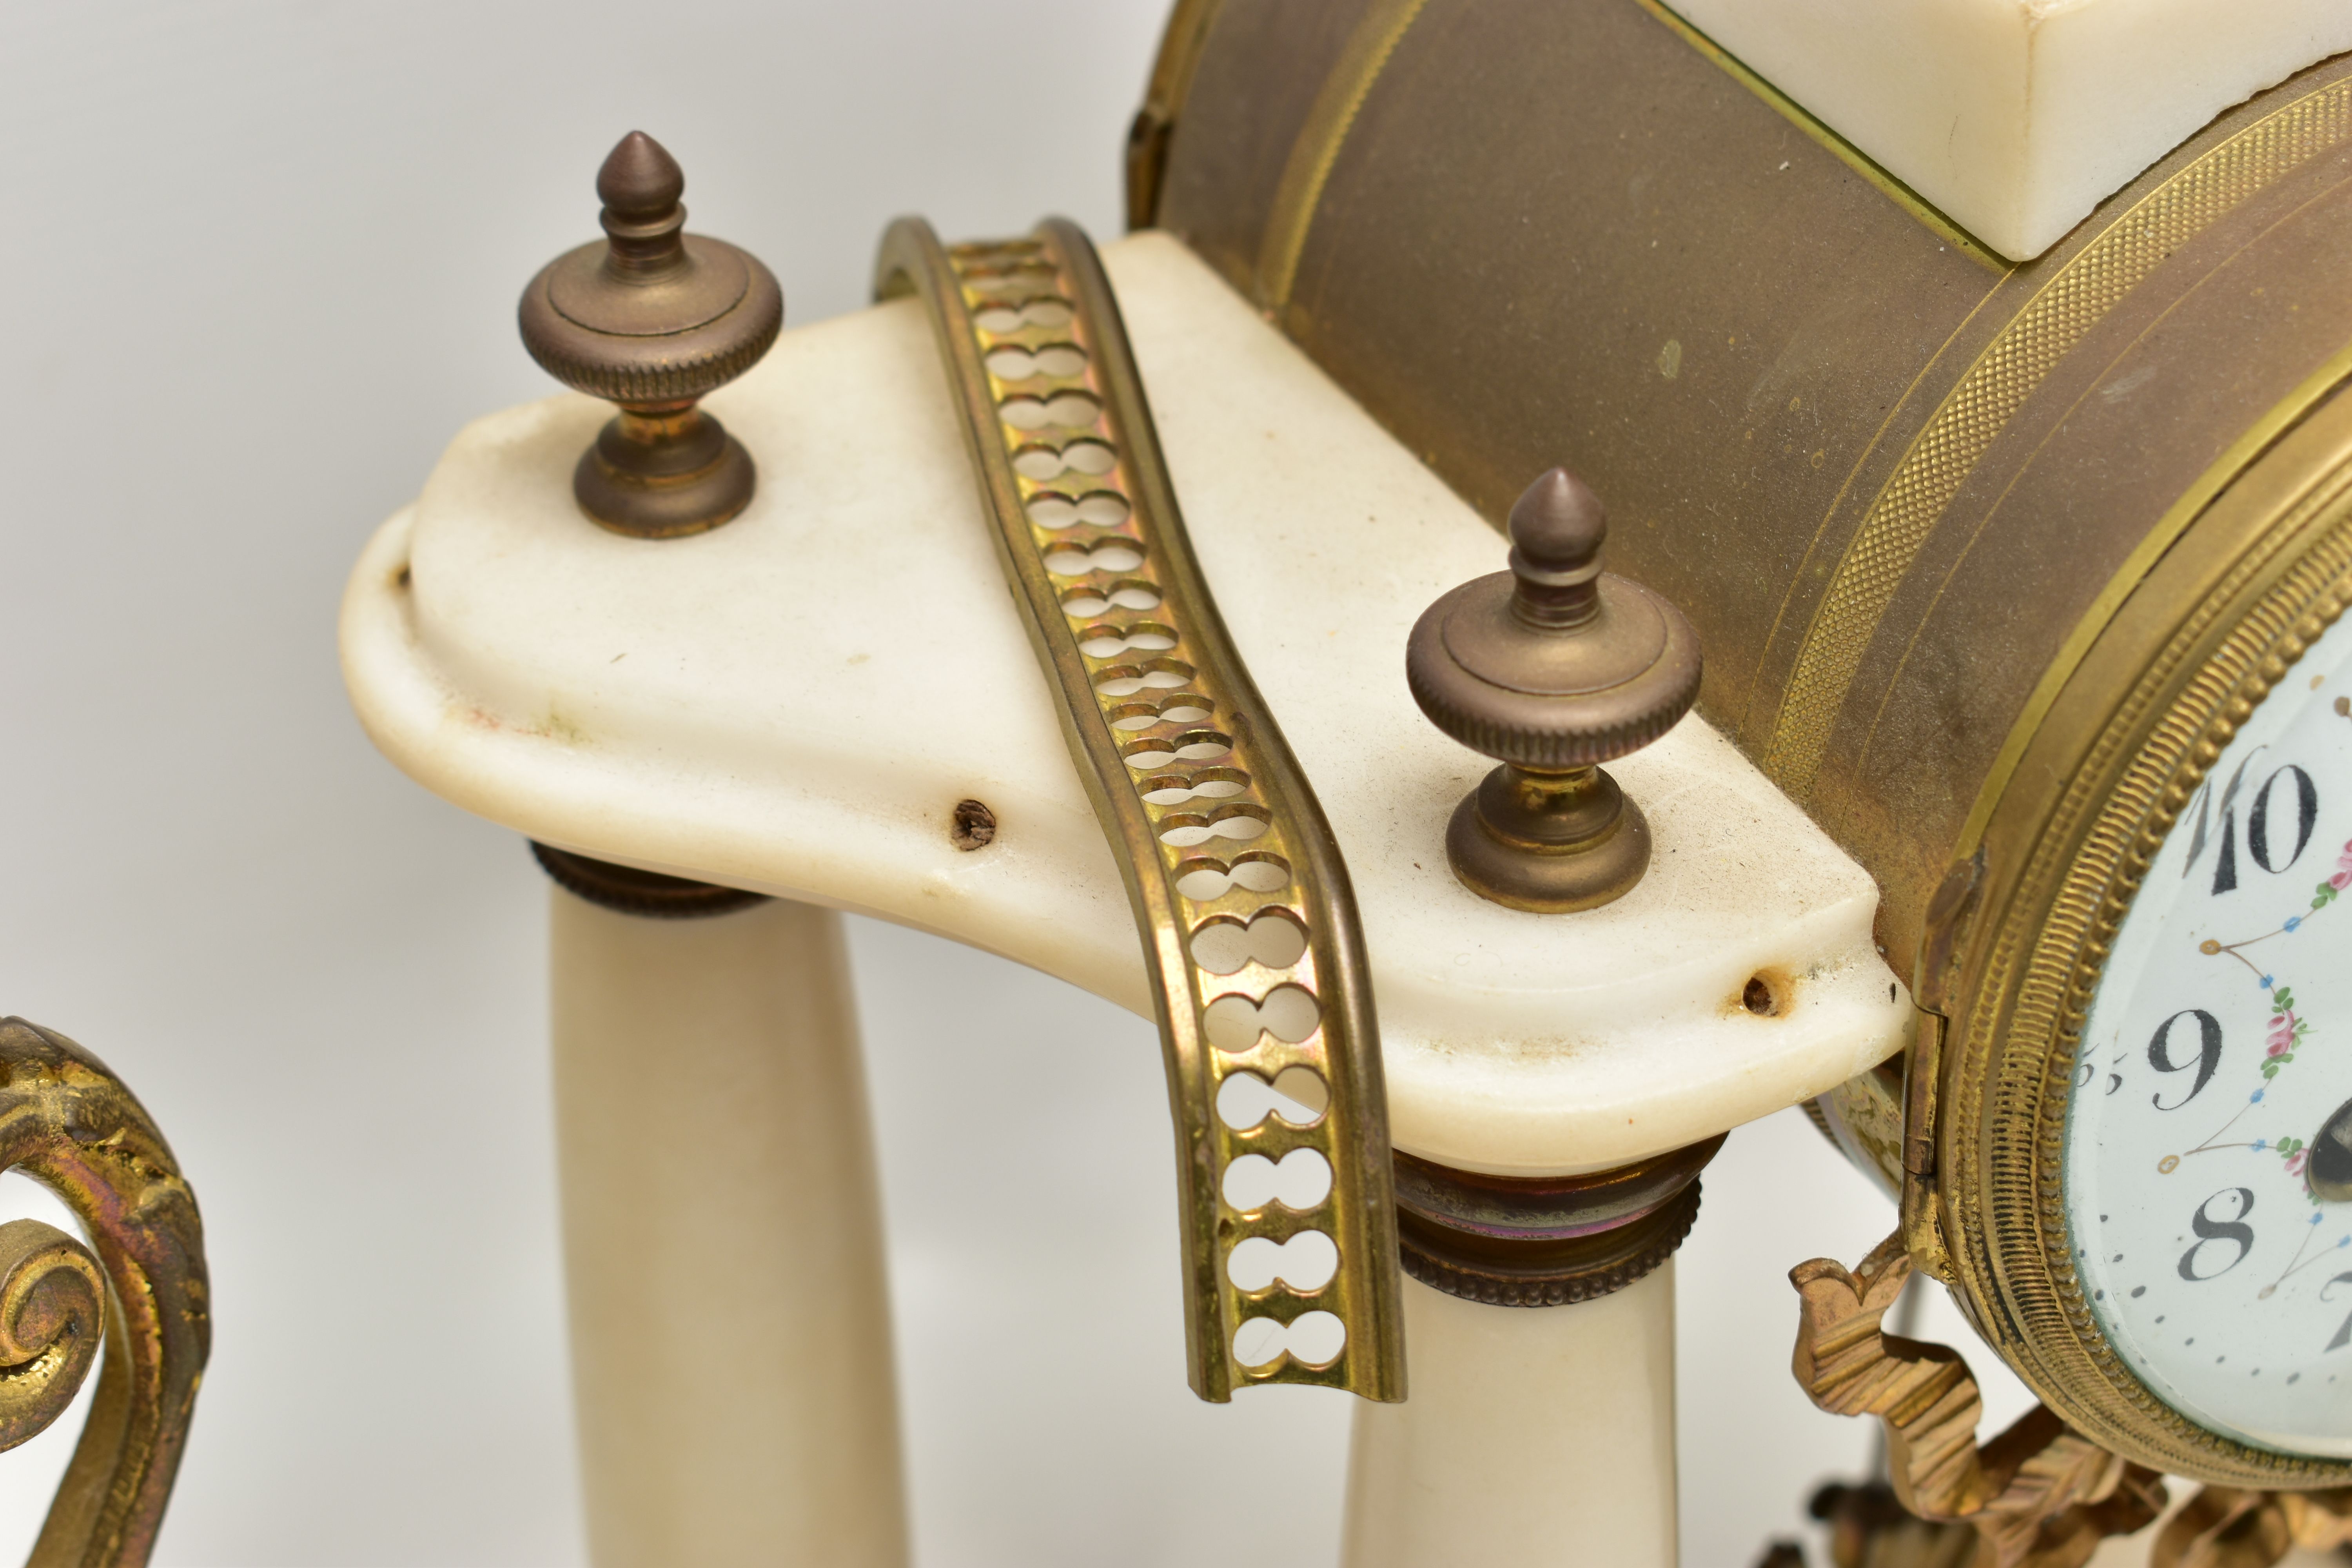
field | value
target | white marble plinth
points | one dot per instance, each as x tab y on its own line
797	701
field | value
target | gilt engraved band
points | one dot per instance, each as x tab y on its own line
1905	512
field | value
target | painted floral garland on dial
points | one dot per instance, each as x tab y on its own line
2287	1026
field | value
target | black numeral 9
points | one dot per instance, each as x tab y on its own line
2208	1055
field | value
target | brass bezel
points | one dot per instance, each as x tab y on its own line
2201	640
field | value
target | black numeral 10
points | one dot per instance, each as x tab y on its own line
2218	825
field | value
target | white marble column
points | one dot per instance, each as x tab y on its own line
1533	1436
731	1336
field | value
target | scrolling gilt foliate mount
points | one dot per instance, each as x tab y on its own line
2040	1494
70	1124
1243	901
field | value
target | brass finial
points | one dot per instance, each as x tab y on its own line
653	317
1552	669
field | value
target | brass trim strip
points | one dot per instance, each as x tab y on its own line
1153	129
2258	438
1299	195
2073	299
1243	904
1852	156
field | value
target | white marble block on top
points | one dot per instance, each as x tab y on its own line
2015	117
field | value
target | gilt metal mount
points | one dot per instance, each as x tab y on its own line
141	1285
1241	897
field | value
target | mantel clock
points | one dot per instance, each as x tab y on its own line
2019	574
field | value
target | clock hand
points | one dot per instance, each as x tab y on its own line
2329	1168
2327	1171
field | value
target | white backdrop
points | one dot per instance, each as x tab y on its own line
262	262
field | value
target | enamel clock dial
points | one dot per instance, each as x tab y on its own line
2208	1154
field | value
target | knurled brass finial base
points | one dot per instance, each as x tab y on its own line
653	317
1548	842
658	475
1552	669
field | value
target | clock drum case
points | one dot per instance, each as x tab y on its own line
1993	563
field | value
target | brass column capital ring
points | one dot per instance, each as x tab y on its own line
1545	1241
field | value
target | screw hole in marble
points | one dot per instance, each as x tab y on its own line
972	825
1759	997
